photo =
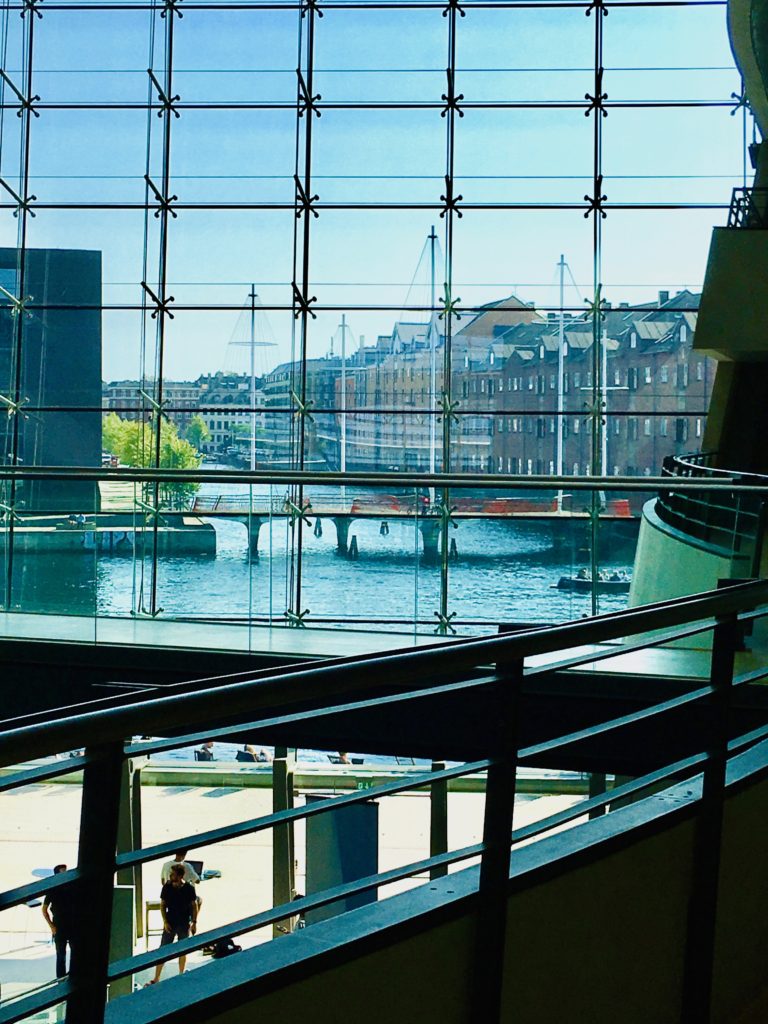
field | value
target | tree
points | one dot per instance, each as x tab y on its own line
197	432
134	442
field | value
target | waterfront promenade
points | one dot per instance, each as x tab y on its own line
39	825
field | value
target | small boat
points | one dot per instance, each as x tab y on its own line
606	583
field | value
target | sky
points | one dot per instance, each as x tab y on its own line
367	257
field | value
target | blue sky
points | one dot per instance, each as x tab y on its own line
530	155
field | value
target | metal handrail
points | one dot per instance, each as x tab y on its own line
417	673
414	669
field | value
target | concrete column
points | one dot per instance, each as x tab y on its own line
438	819
129	833
430	531
283	882
254	525
121	936
342	524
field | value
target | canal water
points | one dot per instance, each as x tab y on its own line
504	571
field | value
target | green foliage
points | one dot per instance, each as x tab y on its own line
197	432
134	442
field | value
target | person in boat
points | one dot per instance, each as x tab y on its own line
582	574
205	753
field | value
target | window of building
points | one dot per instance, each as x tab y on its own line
576	425
646	428
663	427
647	375
632	431
698	427
664	374
699	371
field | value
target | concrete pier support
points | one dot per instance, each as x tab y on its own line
430	532
342	524
253	525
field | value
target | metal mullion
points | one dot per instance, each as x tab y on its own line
596	403
260	824
18	344
132	965
448	301
170	14
308	11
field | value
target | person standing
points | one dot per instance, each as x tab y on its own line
180	857
178	905
58	911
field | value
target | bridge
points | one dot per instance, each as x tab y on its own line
254	511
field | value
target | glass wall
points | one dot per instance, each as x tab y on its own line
266	244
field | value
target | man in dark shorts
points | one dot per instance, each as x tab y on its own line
58	911
178	905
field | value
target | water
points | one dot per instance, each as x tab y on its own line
505	572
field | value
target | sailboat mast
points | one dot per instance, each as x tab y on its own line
560	378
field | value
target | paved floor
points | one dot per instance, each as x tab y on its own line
39	826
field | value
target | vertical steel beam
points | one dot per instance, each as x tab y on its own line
488	977
438	820
283	886
99	817
702	906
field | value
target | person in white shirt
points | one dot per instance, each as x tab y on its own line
190	875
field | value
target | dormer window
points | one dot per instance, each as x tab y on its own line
633	340
491	360
541	351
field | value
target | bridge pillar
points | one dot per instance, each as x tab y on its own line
342	524
253	525
430	531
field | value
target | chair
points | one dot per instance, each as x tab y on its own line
149	906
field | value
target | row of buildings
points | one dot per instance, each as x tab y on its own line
517	406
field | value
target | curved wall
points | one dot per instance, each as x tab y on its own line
670	564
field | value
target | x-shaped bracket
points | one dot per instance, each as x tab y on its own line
303	304
24	103
166	101
306	101
9	512
741	101
454	5
21	204
596	306
450	306
303	200
311	5
149	510
18	306
13	408
32	6
157	407
302	408
597	5
595	202
450	98
446	514
144	614
298	514
171	7
448	408
596	101
595	410
444	626
161	305
295	619
164	202
450	199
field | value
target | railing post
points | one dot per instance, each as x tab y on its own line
488	978
702	906
283	885
438	820
99	817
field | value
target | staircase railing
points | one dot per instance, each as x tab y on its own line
497	665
